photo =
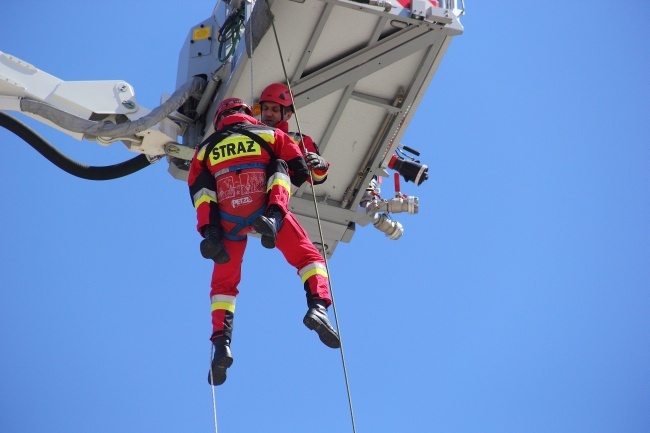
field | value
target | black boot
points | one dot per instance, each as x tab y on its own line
316	320
212	246
220	362
268	225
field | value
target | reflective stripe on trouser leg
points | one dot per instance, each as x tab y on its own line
300	253
278	183
314	277
223	293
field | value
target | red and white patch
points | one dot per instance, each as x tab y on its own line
407	3
242	193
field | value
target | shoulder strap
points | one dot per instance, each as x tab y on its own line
212	141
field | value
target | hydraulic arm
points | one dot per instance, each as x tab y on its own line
101	111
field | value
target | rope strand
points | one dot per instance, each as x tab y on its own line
320	231
214	399
250	37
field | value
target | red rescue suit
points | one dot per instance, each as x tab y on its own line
319	176
232	180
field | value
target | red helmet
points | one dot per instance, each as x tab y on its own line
232	104
278	93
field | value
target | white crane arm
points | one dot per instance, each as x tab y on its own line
102	111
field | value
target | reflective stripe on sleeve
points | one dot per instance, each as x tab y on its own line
201	153
311	270
267	135
204	195
223	302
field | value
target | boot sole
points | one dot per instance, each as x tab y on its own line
211	251
329	338
217	374
262	227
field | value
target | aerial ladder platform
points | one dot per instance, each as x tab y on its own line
357	70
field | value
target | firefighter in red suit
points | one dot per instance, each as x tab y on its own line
239	182
277	110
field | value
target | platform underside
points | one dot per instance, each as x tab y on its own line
357	74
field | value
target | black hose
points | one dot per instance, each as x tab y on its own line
66	164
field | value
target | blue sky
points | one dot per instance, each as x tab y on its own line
518	299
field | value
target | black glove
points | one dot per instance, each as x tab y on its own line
211	232
315	161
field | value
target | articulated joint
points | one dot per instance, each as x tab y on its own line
401	204
373	206
393	229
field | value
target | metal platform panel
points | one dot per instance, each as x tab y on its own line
357	72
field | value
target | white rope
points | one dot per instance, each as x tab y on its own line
214	399
320	230
250	35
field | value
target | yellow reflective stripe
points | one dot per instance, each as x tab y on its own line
312	269
205	191
267	135
304	277
201	153
280	182
279	179
223	306
223	302
203	199
317	176
313	272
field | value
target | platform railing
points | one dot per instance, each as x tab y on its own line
457	6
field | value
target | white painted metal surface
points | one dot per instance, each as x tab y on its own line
80	98
357	73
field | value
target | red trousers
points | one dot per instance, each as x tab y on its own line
293	243
299	252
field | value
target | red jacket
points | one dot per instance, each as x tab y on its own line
319	176
228	171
